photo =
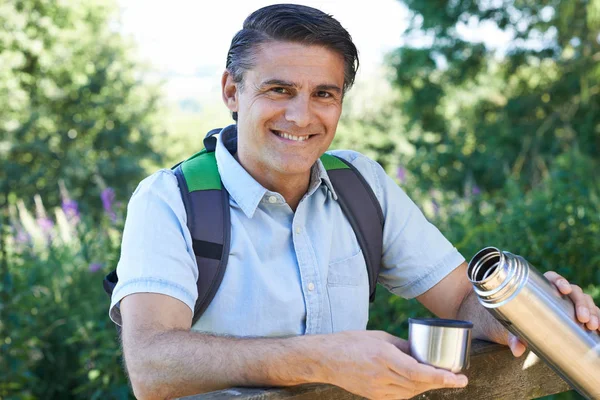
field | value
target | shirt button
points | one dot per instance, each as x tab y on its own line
311	286
298	230
272	199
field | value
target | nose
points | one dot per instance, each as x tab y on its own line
298	111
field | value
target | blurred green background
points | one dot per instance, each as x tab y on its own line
498	148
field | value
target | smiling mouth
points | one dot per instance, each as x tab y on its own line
291	137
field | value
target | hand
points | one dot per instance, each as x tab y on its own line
375	364
586	311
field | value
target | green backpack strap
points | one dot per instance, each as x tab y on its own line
363	211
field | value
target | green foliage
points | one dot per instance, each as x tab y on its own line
73	104
56	340
187	131
371	123
482	116
75	111
555	226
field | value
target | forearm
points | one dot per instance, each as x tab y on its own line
485	326
181	363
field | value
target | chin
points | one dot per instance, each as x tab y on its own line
294	166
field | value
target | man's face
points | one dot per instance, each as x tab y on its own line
288	107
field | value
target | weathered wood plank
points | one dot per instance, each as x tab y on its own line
301	392
494	374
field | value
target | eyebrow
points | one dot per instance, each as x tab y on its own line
280	82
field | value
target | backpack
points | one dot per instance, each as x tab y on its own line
206	203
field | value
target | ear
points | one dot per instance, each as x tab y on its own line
229	91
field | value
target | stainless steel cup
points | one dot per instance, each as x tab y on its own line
442	343
529	306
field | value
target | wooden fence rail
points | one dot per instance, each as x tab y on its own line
494	374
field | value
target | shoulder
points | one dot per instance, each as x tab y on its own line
157	182
159	193
162	185
351	156
373	173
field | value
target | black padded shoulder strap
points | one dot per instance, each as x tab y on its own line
209	223
206	203
363	211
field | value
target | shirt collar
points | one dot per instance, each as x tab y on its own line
244	189
318	176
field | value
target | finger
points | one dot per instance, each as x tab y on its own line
594	323
403	346
416	372
459	381
561	283
581	304
400	343
598	315
417	388
395	340
517	347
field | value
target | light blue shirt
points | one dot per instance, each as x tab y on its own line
289	273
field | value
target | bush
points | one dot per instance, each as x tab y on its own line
75	101
55	336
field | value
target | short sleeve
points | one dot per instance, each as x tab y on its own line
156	251
416	255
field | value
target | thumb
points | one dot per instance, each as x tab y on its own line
517	347
400	343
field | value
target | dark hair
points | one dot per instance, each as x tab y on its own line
292	23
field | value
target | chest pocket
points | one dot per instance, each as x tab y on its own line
348	291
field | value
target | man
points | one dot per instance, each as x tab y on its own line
293	305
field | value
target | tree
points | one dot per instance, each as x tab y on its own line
74	106
370	122
479	115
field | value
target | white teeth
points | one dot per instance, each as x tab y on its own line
291	137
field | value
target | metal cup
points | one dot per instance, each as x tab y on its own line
442	343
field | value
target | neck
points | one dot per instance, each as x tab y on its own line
291	187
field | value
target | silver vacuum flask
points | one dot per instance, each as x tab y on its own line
529	306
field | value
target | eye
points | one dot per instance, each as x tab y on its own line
323	94
280	90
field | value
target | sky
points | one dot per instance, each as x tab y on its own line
186	41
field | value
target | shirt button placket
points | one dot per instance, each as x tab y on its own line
300	245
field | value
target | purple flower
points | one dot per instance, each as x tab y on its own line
71	209
475	191
22	237
401	174
95	267
45	224
108	197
